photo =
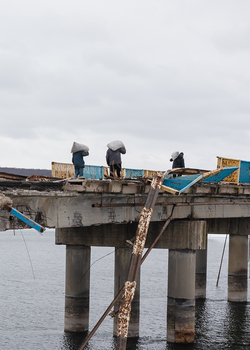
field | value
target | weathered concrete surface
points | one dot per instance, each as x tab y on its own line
181	296
201	274
94	202
175	236
77	289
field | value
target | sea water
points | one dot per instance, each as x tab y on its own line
32	287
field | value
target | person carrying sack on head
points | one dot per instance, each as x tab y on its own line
177	159
113	157
79	151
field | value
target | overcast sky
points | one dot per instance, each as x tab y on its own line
161	76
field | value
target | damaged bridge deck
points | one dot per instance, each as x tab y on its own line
89	203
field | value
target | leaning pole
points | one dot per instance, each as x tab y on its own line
139	244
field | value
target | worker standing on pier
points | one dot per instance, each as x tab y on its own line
79	151
113	157
177	159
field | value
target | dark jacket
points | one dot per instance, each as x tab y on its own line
178	162
77	159
114	157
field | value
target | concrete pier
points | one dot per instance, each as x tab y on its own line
122	262
237	268
77	287
201	274
181	296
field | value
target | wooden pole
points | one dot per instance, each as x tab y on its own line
221	261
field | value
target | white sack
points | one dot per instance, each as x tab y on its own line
77	147
115	145
175	155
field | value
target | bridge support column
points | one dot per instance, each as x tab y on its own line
76	318
122	263
237	268
201	274
181	296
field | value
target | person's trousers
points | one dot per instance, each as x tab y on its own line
78	171
117	168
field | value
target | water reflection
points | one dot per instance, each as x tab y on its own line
201	320
133	344
235	326
72	341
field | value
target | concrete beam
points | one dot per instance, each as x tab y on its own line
180	234
235	226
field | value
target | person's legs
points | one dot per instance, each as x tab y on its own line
76	173
112	170
80	172
118	169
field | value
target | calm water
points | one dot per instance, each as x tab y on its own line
32	299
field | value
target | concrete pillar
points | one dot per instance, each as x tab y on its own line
122	262
237	268
181	296
201	274
76	318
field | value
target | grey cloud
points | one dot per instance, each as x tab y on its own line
172	76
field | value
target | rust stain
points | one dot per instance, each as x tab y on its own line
125	308
184	337
142	230
38	178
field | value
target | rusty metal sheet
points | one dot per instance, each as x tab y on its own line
9	176
149	173
227	162
62	170
133	173
40	178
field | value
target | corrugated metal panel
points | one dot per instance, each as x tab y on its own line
149	173
105	171
93	172
227	162
62	170
244	172
133	173
65	171
224	174
180	182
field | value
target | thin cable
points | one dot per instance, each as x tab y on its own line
28	253
95	262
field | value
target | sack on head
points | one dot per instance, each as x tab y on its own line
174	155
115	145
77	147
